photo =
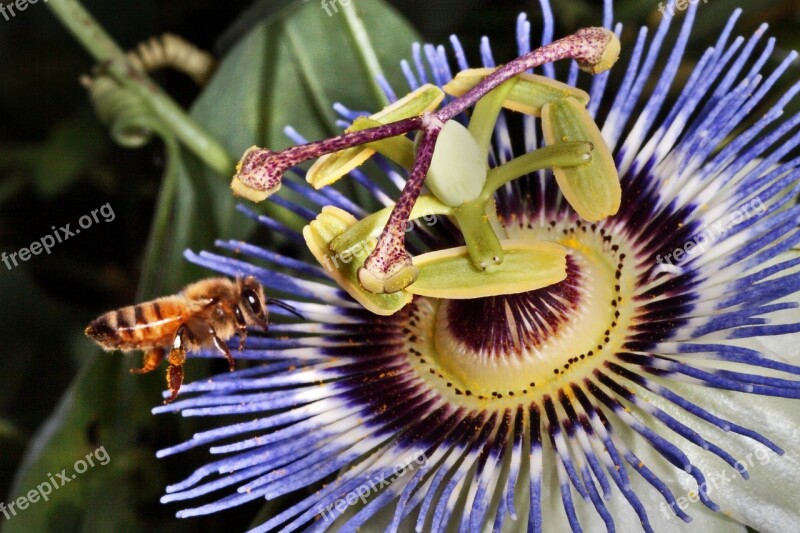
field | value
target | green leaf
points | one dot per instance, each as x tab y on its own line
174	225
288	71
73	145
54	164
96	409
104	497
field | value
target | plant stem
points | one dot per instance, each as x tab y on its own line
100	45
367	55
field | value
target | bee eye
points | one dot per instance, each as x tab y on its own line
252	300
239	316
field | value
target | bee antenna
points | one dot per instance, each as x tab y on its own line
286	306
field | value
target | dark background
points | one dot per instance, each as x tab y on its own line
58	163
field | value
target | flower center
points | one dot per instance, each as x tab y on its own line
502	348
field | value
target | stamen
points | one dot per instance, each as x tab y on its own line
389	267
595	50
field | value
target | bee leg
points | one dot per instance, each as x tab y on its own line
176	358
242	337
174	381
151	360
223	348
241	327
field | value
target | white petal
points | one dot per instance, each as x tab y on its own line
768	501
625	519
784	348
661	518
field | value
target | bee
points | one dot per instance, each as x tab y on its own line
205	314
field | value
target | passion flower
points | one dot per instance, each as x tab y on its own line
640	391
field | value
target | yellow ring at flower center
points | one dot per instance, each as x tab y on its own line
570	350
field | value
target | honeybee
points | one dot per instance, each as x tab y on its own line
205	314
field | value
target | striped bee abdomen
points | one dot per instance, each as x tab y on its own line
139	326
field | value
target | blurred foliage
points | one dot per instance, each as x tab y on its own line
284	61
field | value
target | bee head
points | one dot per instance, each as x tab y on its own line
252	303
